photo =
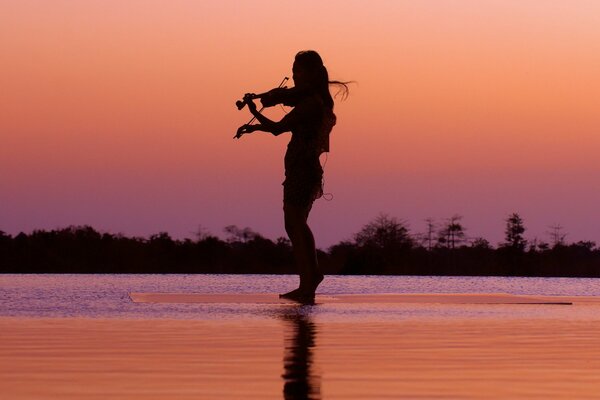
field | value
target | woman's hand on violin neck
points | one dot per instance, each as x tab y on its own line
249	100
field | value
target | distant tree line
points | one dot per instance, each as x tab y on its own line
384	246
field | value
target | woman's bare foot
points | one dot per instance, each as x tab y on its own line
300	296
290	295
303	291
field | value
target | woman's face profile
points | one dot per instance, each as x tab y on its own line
299	75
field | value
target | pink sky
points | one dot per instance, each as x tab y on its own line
120	115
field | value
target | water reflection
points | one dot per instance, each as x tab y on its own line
300	379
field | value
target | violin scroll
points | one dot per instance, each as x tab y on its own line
247	97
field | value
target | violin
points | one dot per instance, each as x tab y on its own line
280	95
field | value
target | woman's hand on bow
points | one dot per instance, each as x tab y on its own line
242	130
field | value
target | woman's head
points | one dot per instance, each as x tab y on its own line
310	73
308	70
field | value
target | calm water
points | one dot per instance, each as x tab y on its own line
81	337
106	296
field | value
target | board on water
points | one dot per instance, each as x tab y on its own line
270	298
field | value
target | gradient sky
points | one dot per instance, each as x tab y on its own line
120	114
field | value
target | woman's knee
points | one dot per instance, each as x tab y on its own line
291	225
294	219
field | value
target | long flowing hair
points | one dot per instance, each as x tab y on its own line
319	81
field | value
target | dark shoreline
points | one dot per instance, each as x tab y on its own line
84	250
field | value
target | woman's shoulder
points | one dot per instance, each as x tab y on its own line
311	104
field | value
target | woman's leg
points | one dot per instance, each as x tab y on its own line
303	247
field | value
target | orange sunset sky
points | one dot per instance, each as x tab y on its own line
120	114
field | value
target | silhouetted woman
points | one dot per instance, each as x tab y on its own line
310	122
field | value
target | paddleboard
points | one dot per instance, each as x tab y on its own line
419	298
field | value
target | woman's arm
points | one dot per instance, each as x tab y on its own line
287	123
265	124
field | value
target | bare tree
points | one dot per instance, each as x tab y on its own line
452	233
235	234
557	235
538	245
382	232
431	226
481	243
202	233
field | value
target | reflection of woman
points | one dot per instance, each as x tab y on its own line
310	122
300	381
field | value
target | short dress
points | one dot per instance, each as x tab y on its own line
311	125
